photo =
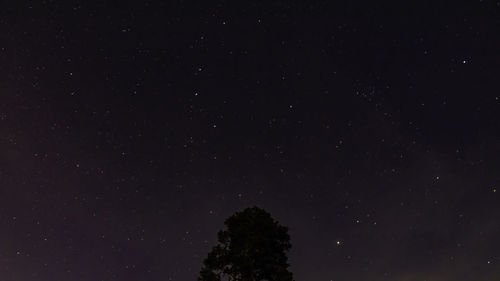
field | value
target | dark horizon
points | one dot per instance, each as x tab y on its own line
130	131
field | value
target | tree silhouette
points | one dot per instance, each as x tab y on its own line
252	248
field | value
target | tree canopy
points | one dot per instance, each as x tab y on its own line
253	247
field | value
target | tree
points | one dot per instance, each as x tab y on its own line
252	248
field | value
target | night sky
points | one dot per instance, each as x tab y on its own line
130	130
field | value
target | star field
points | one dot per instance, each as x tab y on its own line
130	130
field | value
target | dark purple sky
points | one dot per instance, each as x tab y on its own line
129	132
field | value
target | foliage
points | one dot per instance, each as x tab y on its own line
252	248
